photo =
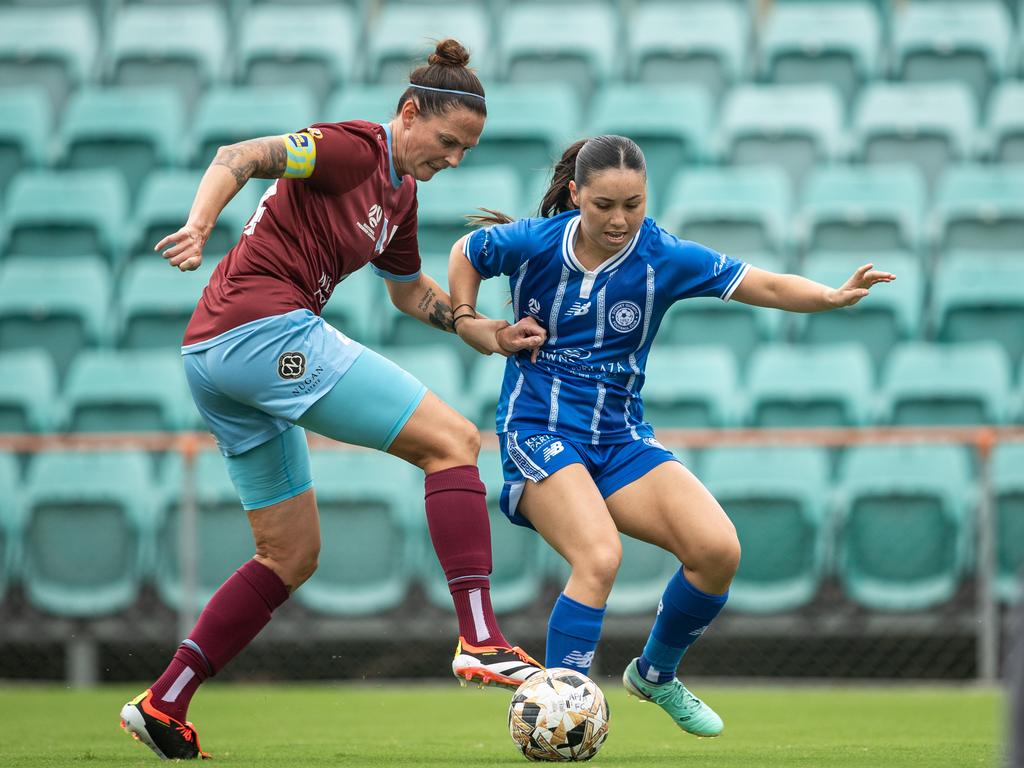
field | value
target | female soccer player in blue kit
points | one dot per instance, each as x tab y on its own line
580	463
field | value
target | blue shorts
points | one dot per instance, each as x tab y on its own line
537	455
255	383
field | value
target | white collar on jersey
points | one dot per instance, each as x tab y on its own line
569	254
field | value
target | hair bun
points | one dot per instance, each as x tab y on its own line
449	53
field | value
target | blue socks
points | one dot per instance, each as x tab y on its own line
683	615
573	632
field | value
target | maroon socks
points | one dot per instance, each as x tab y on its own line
456	503
234	616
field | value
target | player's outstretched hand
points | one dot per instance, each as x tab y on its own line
526	334
859	284
184	249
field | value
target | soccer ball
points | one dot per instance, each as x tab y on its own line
559	715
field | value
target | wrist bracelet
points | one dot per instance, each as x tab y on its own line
460	317
471	308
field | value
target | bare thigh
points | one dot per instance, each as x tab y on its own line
670	508
437	437
568	511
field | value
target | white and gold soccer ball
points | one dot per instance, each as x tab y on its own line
558	715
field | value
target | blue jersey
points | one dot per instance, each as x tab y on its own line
586	382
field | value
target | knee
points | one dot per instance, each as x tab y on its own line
719	559
458	444
294	563
600	564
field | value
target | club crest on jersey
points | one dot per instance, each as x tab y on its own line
578	309
291	365
624	316
369	227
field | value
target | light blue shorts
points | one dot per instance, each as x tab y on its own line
255	383
537	455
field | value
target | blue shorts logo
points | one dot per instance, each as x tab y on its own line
624	316
291	365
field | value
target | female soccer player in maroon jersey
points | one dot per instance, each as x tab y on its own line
263	366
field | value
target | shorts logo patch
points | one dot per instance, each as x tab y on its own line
624	316
291	365
552	450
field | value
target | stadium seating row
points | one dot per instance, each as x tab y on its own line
193	45
742	211
83	532
830	385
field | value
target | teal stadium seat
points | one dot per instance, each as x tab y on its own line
402	35
946	384
28	390
890	315
9	539
66	213
112	391
484	390
21	149
905	520
739	327
133	130
1007	477
53	50
223	534
575	43
738	211
928	124
672	125
455	194
698	43
979	299
793	126
777	499
862	209
285	45
1006	124
86	526
365	102
371	526
793	386
436	366
966	41
694	386
156	302
60	305
529	126
518	554
163	205
185	46
980	208
356	306
835	43
228	115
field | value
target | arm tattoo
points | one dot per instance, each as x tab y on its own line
425	301
441	316
264	158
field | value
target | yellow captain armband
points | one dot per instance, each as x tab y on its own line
301	155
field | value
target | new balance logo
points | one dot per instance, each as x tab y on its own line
579	659
553	450
578	309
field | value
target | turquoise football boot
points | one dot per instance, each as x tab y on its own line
689	713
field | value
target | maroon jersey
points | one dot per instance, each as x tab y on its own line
336	210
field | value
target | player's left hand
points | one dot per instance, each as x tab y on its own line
859	285
527	334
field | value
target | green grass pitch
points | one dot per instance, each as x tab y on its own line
281	726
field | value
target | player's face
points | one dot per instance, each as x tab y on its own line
435	142
612	207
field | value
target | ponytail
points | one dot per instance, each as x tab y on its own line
558	199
